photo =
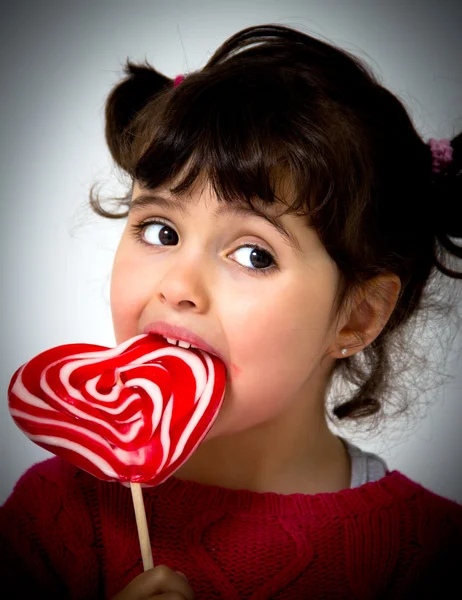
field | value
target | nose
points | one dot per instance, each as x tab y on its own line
182	287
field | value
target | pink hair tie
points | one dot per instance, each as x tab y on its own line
178	79
441	153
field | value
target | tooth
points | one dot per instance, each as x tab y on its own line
183	344
171	341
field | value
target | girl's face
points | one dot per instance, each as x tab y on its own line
235	280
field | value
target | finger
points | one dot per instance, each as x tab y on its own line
169	596
163	580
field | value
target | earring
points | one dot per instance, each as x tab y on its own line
344	351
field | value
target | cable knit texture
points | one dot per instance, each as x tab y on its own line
65	534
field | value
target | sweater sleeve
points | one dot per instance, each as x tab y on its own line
47	547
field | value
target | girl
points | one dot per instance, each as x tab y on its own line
283	208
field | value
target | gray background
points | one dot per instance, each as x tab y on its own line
59	60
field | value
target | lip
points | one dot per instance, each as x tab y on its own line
181	333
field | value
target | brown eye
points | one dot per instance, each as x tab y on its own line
260	259
155	232
254	258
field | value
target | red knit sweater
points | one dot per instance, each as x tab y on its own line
65	534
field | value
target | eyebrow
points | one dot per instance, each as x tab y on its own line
139	203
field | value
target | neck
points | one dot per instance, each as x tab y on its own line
293	454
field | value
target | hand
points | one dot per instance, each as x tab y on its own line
161	583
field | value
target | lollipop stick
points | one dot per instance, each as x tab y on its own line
142	525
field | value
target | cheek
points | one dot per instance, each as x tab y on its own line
125	299
274	347
280	329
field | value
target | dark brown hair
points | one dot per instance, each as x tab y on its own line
275	100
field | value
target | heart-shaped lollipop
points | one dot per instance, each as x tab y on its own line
133	413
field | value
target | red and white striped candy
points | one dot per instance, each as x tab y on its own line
141	429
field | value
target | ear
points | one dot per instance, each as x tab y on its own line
369	314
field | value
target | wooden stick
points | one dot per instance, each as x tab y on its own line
142	525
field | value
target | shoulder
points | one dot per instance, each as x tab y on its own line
405	514
60	486
53	509
52	474
432	521
54	468
49	531
408	493
428	500
430	529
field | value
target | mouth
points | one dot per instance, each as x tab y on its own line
174	342
179	336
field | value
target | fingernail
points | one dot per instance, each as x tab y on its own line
182	574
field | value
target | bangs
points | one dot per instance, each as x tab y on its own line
243	133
